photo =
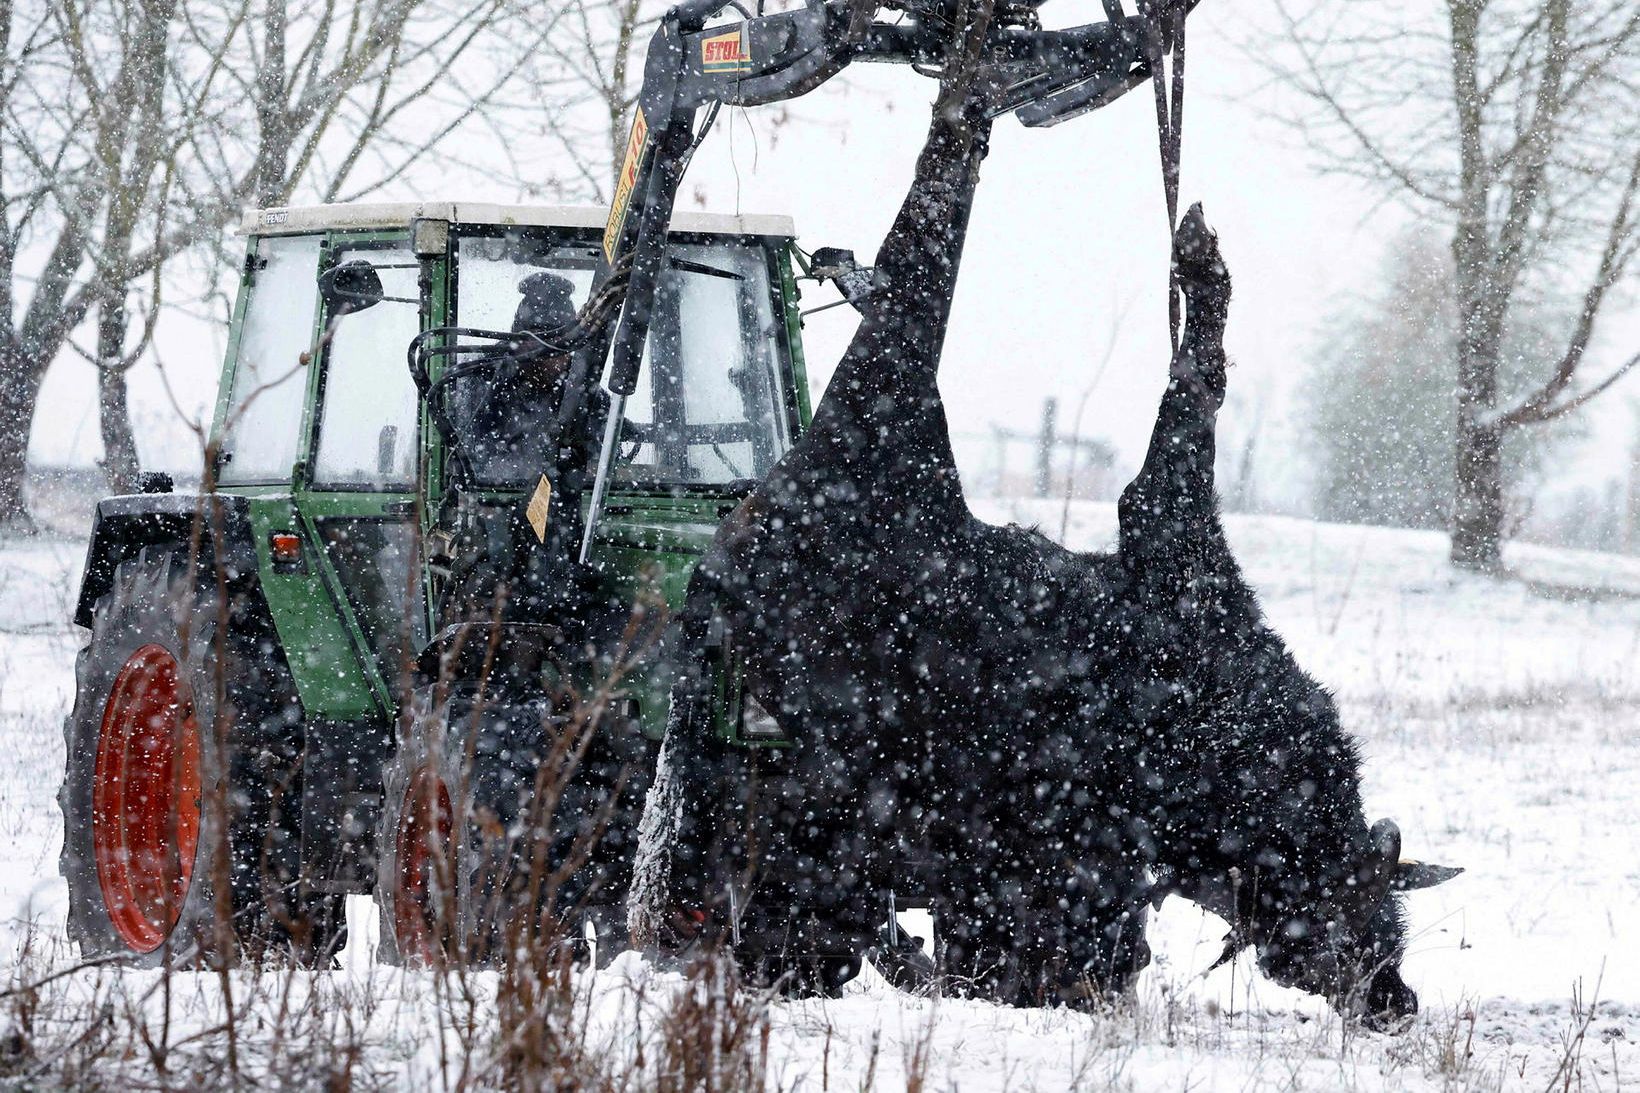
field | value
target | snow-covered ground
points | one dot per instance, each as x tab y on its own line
1498	717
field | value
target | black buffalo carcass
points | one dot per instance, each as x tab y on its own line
1054	739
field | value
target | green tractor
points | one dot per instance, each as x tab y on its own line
273	709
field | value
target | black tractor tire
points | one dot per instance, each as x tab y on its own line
416	890
461	867
180	799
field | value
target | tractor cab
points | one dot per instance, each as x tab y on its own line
321	423
720	396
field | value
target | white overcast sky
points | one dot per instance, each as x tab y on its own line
1068	233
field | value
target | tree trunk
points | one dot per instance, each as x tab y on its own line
14	514
1477	512
272	112
120	464
18	385
1477	499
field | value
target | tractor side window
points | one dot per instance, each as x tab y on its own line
367	430
264	416
710	404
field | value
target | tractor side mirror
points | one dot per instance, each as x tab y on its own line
349	287
856	282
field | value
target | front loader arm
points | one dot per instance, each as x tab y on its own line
767	59
1044	76
1047	76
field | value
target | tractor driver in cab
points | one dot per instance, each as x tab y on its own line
509	436
512	413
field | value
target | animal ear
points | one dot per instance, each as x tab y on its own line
1410	875
1386	841
1377	873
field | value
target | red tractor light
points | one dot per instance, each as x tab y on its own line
286	547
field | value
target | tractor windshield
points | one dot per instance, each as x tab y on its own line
712	405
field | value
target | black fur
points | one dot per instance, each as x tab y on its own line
1065	736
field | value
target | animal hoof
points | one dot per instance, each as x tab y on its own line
1391	1005
1196	259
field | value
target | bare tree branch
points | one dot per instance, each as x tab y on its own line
1614	259
1586	397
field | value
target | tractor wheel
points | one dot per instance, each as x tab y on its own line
458	868
180	752
416	853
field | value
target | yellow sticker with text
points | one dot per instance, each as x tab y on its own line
636	144
536	512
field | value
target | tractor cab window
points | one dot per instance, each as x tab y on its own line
492	268
263	420
711	401
518	280
367	427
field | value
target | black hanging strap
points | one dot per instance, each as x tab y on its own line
1167	17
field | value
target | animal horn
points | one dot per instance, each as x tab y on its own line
1412	875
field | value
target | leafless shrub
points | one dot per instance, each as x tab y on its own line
715	1035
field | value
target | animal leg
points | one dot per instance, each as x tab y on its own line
880	432
1171	506
1104	949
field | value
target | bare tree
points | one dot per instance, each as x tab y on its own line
131	130
596	54
1513	121
51	196
1376	401
131	157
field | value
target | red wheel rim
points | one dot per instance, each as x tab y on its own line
425	864
145	798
